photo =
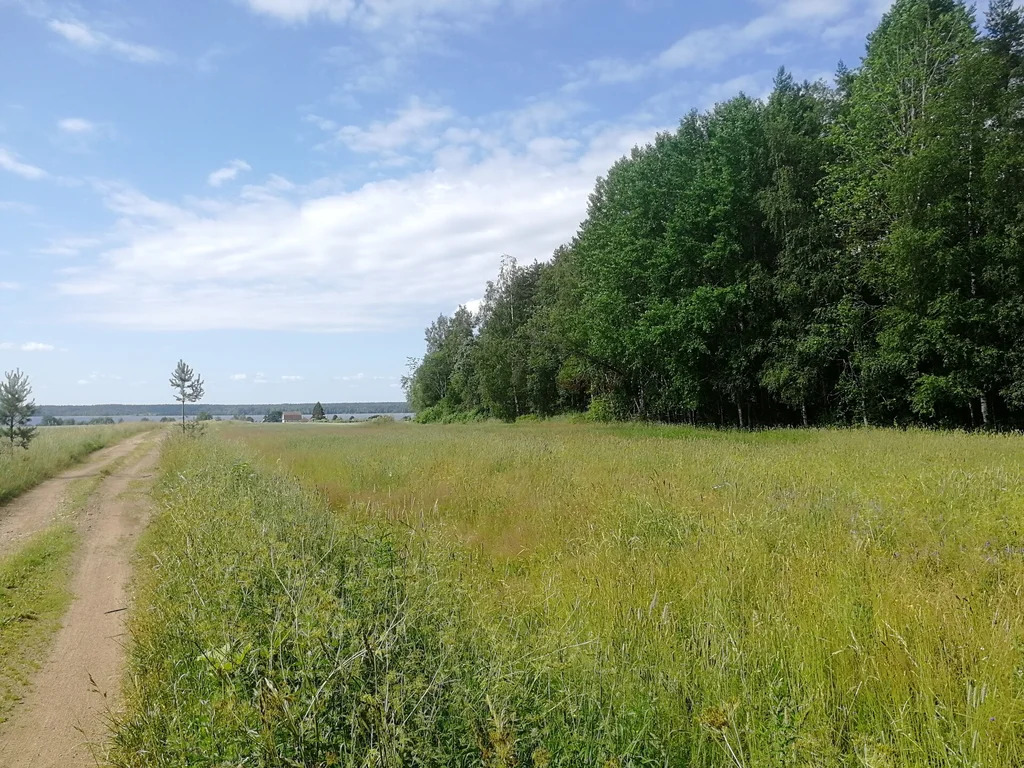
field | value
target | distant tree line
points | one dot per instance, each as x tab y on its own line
191	409
54	421
847	254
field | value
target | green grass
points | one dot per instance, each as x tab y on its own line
33	597
53	450
569	594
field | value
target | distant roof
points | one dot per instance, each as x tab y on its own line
292	416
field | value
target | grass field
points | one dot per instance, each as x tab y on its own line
559	595
55	449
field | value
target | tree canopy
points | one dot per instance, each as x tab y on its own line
188	388
16	408
846	254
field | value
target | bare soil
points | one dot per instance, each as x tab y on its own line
62	720
45	504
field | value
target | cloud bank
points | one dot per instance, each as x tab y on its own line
379	257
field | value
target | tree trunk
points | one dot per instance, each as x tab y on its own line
739	413
803	413
984	410
183	415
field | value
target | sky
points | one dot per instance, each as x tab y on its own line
286	192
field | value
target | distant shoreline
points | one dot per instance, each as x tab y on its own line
114	410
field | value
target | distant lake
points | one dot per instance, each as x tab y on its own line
34	421
355	416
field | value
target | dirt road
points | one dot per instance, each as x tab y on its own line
45	504
63	717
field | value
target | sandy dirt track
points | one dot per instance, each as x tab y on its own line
43	505
62	719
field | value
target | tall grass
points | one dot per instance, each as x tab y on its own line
53	450
561	594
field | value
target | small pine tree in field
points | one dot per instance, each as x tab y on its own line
318	412
188	386
16	408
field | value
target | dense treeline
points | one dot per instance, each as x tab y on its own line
846	254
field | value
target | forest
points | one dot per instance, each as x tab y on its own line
833	254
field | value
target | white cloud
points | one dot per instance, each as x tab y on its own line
710	47
28	346
376	15
390	32
607	71
14	205
10	162
387	254
370	68
9	286
239	377
94	377
77	125
292	378
757	85
86	38
473	305
410	126
351	377
227	173
323	123
69	246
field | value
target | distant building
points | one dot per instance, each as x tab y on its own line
291	416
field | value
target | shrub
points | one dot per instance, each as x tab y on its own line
602	408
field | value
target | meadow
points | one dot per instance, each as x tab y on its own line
53	450
558	594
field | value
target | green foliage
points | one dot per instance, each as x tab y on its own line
274	416
601	409
188	387
318	412
445	374
847	255
442	414
16	408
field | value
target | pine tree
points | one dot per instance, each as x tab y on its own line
188	386
318	412
16	408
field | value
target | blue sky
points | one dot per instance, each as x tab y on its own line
285	192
